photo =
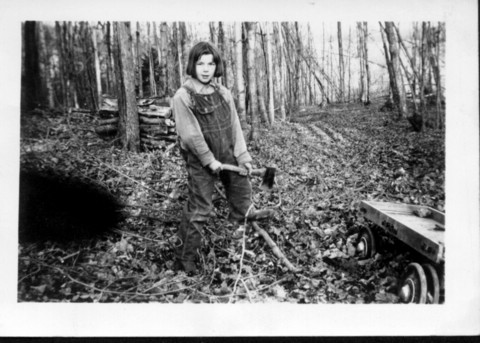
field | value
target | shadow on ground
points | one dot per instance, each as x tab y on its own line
58	208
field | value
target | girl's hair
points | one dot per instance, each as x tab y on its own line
200	49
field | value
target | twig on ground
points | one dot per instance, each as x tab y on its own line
275	249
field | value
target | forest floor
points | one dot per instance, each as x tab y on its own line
327	161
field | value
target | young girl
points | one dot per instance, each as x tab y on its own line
209	135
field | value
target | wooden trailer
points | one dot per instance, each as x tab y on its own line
421	228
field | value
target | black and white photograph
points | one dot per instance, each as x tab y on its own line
217	168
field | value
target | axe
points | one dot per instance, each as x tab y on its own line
268	174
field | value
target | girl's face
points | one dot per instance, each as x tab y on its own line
205	68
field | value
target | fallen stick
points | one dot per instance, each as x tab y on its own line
275	249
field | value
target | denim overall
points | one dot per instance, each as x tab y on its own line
215	119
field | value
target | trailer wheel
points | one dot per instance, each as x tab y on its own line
413	288
433	284
367	244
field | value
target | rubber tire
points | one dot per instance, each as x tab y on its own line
415	276
433	282
369	240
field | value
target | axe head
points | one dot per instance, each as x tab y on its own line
268	179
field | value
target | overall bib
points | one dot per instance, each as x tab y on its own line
215	119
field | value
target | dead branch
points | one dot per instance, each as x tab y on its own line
275	249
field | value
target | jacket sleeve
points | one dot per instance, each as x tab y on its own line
188	129
240	148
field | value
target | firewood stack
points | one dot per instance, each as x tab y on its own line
155	119
108	118
156	123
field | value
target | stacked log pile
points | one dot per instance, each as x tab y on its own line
155	119
156	123
108	118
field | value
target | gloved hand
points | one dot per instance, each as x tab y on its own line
248	167
215	166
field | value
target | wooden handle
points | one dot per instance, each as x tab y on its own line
255	172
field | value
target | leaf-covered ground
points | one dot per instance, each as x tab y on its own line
327	161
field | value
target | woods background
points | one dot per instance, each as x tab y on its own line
272	68
460	74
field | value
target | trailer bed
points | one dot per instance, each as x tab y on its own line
425	235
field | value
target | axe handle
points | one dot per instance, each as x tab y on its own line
255	172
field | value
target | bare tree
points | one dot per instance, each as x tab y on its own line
31	79
252	85
365	60
151	62
268	38
128	128
139	62
281	68
111	82
239	74
179	51
341	64
398	90
163	58
45	66
98	77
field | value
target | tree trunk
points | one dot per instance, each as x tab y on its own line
341	65
388	61
186	46
181	33
260	77
434	53
239	77
281	68
399	91
349	63
252	85
151	64
410	59
361	62
324	63
222	46
128	128
367	68
213	33
288	85
111	84
31	78
298	48
62	61
138	52
424	61
98	76
45	67
163	58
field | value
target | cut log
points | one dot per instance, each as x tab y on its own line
170	138
147	120
153	129
145	102
156	111
108	121
158	140
106	129
105	113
